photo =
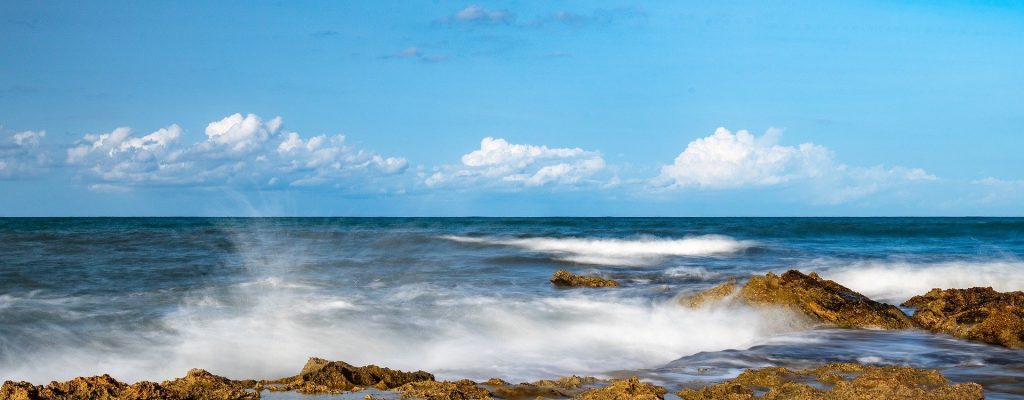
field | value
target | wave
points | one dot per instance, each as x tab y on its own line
628	252
896	281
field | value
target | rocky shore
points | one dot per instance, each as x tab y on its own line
979	314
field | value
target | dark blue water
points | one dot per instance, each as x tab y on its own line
149	298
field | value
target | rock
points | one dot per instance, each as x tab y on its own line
715	294
433	390
201	385
564	387
495	382
18	391
625	389
196	385
563	278
322	376
981	314
820	299
838	382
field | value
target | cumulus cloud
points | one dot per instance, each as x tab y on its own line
727	160
21	154
239	150
500	163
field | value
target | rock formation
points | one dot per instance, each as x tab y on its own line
625	389
564	387
322	376
820	299
981	314
196	385
838	382
563	278
433	390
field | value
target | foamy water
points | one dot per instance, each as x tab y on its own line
897	281
629	252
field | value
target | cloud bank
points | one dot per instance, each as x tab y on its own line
500	163
243	151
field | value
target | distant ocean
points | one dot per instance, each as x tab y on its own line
150	298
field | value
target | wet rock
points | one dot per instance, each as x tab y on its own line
201	385
841	381
981	314
495	382
563	278
564	387
433	390
820	299
322	376
715	294
625	389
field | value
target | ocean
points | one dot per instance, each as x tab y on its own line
150	298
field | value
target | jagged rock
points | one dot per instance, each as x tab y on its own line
625	389
714	294
564	387
563	278
196	385
433	390
820	299
495	382
322	376
981	314
18	391
841	381
201	385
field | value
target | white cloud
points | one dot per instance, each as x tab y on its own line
21	154
238	151
727	160
500	163
478	14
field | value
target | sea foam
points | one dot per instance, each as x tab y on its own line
628	252
896	281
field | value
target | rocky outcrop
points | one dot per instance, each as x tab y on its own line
625	389
196	385
433	390
822	300
322	376
981	314
564	387
563	278
838	382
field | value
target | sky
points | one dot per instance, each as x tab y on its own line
546	108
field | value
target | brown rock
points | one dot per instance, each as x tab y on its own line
563	278
714	294
838	382
625	389
981	314
433	390
564	387
322	376
201	385
18	391
820	299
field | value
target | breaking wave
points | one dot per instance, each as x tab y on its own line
896	281
628	252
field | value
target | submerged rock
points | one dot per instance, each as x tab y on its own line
625	389
433	390
981	314
564	387
563	278
322	376
820	299
841	381
196	385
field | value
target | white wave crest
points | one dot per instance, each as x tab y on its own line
629	252
896	281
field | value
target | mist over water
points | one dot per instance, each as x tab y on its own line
253	298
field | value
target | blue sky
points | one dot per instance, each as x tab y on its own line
511	108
